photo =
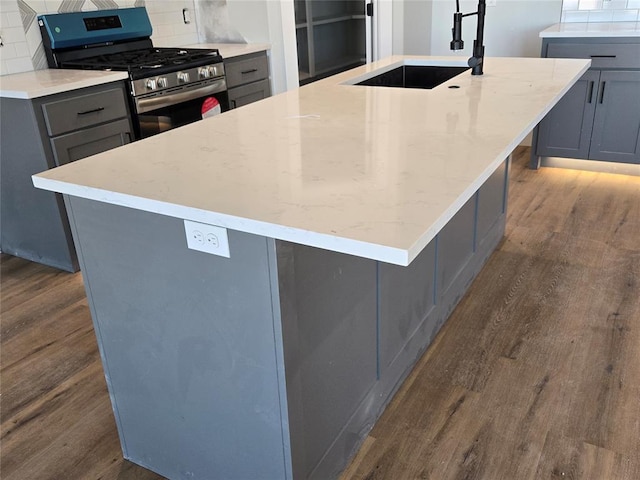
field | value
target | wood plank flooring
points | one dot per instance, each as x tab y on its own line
535	376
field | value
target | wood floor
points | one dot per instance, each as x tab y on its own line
535	376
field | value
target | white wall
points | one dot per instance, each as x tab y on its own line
272	22
511	27
418	27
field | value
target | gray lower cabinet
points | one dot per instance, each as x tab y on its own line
616	125
273	363
42	133
247	78
599	118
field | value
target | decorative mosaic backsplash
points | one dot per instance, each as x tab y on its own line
22	48
600	11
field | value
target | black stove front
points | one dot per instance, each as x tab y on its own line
169	87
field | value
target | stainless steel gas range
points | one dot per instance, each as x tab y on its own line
169	87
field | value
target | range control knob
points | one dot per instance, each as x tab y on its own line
183	77
212	71
204	72
162	82
151	84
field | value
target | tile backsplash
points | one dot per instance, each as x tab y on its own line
22	48
600	11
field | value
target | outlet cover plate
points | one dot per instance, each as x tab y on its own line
207	238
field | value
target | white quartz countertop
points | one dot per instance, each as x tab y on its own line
230	50
41	83
374	172
592	30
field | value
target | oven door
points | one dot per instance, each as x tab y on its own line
175	107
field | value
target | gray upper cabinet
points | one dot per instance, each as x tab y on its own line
247	78
599	118
42	133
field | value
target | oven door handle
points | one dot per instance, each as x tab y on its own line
147	104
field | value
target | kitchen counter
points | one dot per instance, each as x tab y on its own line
230	50
592	30
274	359
373	172
41	83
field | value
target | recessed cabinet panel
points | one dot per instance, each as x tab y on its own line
491	202
455	246
406	298
82	144
566	130
246	70
616	127
84	111
247	94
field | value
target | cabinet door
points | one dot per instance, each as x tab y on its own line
247	94
84	143
616	126
566	130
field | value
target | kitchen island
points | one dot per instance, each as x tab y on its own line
355	218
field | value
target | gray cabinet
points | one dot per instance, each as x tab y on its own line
247	79
42	133
616	126
599	118
330	35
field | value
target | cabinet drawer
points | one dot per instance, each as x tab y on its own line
602	55
247	94
240	72
83	111
74	146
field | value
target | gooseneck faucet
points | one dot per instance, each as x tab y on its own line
476	61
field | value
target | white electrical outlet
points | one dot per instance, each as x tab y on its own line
207	238
491	3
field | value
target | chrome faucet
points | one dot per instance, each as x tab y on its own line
476	61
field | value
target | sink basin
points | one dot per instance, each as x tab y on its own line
414	76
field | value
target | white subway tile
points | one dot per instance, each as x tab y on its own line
9	6
570	4
13	35
53	5
34	38
633	4
601	16
162	31
8	51
576	17
40	6
3	68
22	49
627	15
14	19
590	5
614	4
18	65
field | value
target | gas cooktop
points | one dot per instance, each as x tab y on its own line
140	63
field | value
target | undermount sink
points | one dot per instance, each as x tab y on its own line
414	76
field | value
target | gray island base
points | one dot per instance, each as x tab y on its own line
273	363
